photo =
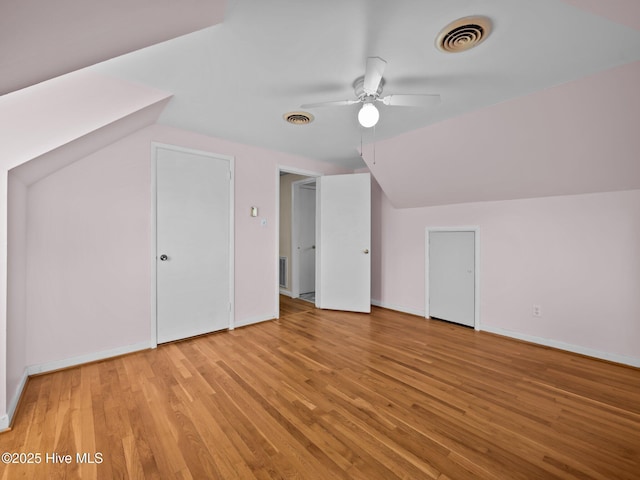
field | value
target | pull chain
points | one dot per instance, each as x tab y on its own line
374	144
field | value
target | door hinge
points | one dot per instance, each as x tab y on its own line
230	178
229	306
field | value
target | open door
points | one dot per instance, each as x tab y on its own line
343	262
304	238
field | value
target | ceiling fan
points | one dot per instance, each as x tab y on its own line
368	89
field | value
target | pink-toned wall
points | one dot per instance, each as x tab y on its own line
89	244
16	288
578	257
97	110
573	138
88	262
31	124
625	12
256	248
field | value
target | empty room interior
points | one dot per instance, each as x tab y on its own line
289	239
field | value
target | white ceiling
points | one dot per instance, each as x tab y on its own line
236	80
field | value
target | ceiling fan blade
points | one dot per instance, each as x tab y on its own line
339	103
420	100
373	75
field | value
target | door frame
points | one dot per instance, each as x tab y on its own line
276	257
476	230
155	146
295	263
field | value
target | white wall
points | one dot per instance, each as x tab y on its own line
578	257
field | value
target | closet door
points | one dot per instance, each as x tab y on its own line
452	276
193	235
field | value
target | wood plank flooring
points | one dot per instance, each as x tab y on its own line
333	395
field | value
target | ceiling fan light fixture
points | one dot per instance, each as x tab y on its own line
368	115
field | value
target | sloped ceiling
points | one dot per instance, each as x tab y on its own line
47	103
624	12
235	80
40	119
70	118
41	39
574	138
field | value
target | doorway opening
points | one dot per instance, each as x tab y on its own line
296	234
303	239
342	237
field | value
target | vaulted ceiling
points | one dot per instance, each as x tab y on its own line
41	39
237	78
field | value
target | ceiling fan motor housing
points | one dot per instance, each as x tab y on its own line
358	88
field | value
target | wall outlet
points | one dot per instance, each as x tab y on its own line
537	311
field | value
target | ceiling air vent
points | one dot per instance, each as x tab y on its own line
463	34
298	118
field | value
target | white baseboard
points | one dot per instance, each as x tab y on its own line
288	293
397	308
612	357
5	420
252	320
14	402
88	358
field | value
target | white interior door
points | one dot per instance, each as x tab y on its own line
452	276
305	220
343	265
193	225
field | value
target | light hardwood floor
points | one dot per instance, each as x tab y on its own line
332	395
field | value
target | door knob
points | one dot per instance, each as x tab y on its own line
365	251
164	258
